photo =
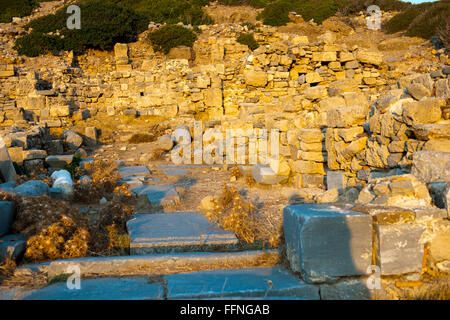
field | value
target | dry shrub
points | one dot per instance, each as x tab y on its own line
236	172
234	214
109	233
444	34
105	178
154	132
62	239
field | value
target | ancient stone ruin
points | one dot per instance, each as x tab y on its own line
319	160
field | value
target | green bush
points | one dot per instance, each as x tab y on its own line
15	8
171	36
252	3
102	26
249	40
276	14
422	20
35	44
169	11
347	7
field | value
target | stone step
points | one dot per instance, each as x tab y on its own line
133	171
177	232
248	283
156	264
153	198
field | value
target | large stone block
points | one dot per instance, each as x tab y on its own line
427	110
324	242
343	117
264	174
6	216
370	57
255	78
430	166
335	180
398	248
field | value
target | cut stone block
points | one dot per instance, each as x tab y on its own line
8	173
155	197
398	249
59	161
243	283
100	289
430	166
265	175
335	180
324	241
161	263
12	246
176	232
6	216
133	171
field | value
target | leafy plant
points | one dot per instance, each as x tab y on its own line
171	36
15	8
249	40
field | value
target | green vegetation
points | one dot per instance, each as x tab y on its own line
15	8
171	36
169	11
276	13
249	40
422	20
103	25
252	3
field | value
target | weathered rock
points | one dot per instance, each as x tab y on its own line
255	78
316	92
308	167
6	216
59	161
154	198
418	91
432	131
310	135
403	190
430	166
165	142
370	57
427	110
72	139
329	196
398	248
324	242
32	188
343	117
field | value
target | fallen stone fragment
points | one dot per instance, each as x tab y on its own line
431	166
398	249
32	188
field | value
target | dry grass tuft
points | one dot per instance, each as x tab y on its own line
234	214
155	131
236	172
105	179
